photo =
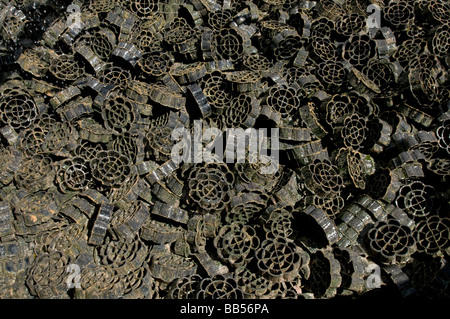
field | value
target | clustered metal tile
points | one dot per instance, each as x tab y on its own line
92	204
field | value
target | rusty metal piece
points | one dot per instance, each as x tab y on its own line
283	100
126	223
243	81
401	280
128	52
355	167
318	230
172	213
417	199
144	8
114	75
439	166
323	49
439	10
322	178
355	218
35	173
279	259
229	44
99	282
46	276
160	142
196	238
249	200
61	239
219	287
13	21
337	109
383	185
388	45
325	277
87	113
330	9
332	74
409	50
73	174
111	168
18	108
432	234
60	139
358	50
188	73
100	225
257	62
354	131
252	285
322	27
200	99
66	68
309	116
399	13
423	141
7	232
155	64
170	267
159	232
184	287
215	90
442	133
121	255
331	206
140	285
285	44
389	242
353	272
244	110
416	115
10	160
210	187
424	275
236	243
277	222
118	113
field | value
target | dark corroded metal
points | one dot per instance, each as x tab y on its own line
338	112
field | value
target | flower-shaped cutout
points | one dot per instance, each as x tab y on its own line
111	168
417	199
322	178
432	234
184	287
210	186
283	100
354	131
219	287
46	276
122	255
18	108
279	259
236	243
443	133
391	242
399	12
